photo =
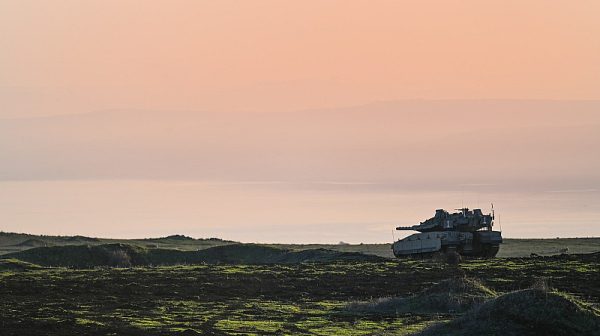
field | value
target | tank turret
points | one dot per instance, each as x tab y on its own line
465	220
468	232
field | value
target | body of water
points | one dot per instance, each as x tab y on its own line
281	212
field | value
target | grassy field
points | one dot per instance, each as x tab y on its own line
384	297
178	285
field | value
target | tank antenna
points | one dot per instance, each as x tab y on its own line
393	238
500	223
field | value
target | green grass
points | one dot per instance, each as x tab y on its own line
15	264
526	312
221	287
453	296
392	297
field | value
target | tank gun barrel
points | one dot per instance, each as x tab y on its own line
407	228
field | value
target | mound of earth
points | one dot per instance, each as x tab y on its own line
172	238
455	295
14	264
82	239
179	237
125	255
82	256
265	254
33	243
324	255
527	312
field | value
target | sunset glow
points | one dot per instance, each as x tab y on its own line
273	121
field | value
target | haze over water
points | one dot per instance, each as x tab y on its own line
277	213
298	121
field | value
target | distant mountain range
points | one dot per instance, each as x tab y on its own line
387	142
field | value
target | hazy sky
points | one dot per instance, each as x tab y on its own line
276	120
74	57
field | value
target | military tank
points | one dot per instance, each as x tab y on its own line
468	232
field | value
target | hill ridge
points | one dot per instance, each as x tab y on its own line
128	255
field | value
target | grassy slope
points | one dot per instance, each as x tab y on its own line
455	295
127	255
535	311
14	264
15	242
526	312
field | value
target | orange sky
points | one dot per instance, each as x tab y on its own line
203	54
414	102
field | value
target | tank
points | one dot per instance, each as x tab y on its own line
467	232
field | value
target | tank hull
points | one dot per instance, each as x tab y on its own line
477	244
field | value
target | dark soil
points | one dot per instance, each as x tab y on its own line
248	299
